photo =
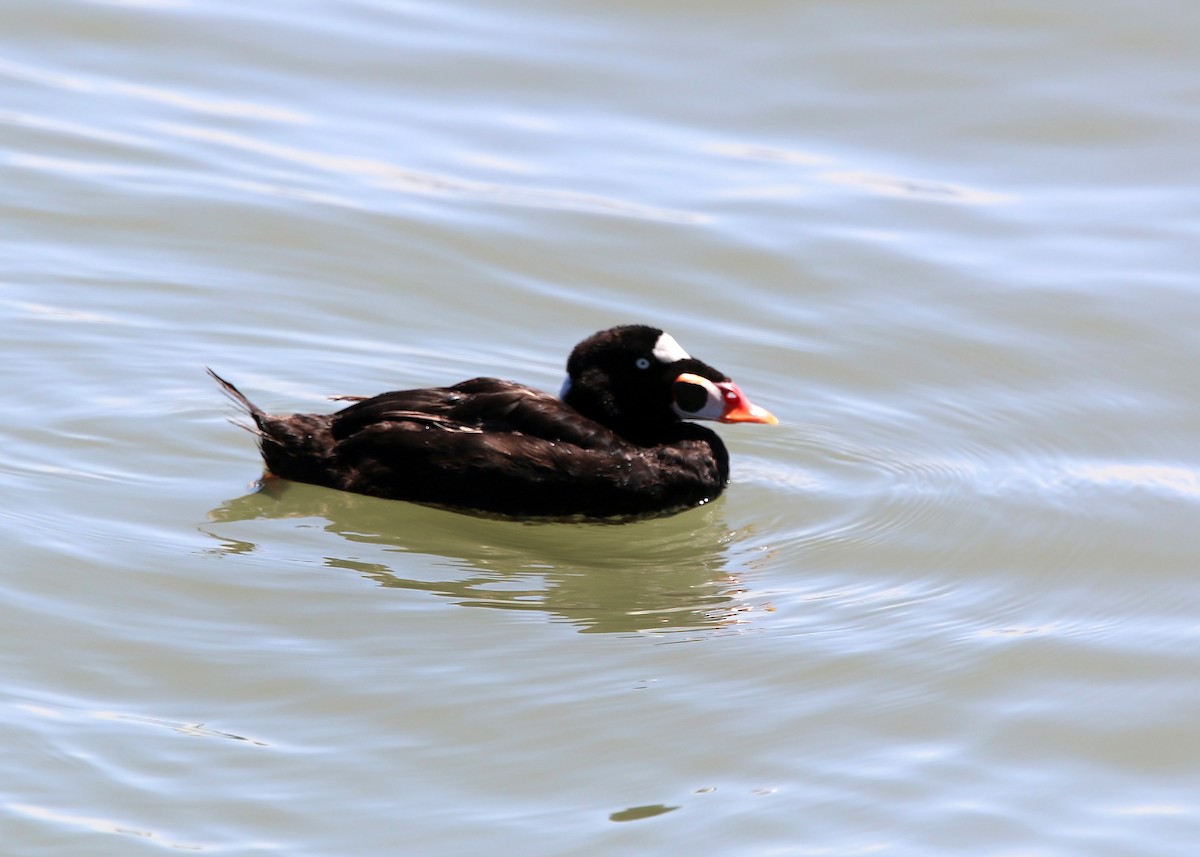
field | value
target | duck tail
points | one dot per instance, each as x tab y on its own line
252	410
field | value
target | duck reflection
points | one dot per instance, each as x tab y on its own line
663	574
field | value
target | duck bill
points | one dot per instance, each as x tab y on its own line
739	409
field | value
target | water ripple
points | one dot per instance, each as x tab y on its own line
68	819
818	170
96	85
392	177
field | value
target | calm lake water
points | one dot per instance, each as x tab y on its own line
951	606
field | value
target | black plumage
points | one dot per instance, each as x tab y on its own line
616	444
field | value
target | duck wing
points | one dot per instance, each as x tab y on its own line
481	405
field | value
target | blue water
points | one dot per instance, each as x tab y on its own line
947	607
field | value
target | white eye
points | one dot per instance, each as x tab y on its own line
643	363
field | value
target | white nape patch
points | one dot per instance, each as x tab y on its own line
667	350
565	388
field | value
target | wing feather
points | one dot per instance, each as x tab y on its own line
479	405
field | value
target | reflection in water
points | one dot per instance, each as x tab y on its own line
659	574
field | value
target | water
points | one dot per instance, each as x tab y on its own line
948	607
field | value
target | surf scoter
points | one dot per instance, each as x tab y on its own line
616	442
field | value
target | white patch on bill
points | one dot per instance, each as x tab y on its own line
667	350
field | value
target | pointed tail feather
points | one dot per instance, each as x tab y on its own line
238	398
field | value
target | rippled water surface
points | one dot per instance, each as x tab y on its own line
949	607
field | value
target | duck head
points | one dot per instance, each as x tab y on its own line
638	381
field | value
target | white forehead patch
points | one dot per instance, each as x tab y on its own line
667	350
